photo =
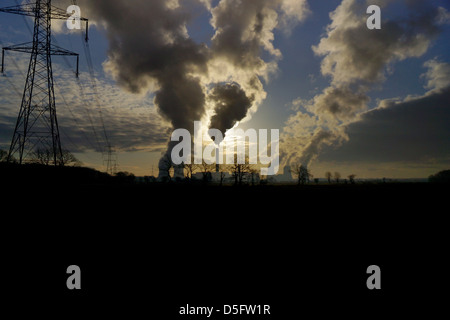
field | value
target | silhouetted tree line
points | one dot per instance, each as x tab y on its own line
440	177
336	177
125	177
40	174
302	173
40	169
241	173
304	176
45	157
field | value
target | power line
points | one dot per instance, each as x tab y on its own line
84	102
25	19
94	87
12	85
109	153
14	61
37	124
111	164
43	12
74	118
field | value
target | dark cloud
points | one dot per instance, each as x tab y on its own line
148	43
408	131
231	105
241	31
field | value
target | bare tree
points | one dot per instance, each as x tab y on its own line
337	177
42	156
240	170
223	169
351	178
69	159
46	157
328	176
206	170
3	155
302	173
191	168
254	176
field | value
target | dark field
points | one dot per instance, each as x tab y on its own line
153	248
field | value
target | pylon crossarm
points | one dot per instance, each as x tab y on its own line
37	124
60	14
23	47
29	9
23	9
28	48
58	51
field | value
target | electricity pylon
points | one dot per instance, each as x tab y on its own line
111	161
37	128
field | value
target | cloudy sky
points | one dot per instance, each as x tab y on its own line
375	103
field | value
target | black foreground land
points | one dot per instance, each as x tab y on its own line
152	248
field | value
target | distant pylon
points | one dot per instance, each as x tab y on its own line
111	161
37	128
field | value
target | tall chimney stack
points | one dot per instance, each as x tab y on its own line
217	160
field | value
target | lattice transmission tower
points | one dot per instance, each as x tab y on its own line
37	128
111	160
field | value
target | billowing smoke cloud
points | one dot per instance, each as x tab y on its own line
244	30
319	138
231	105
150	50
356	59
341	103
